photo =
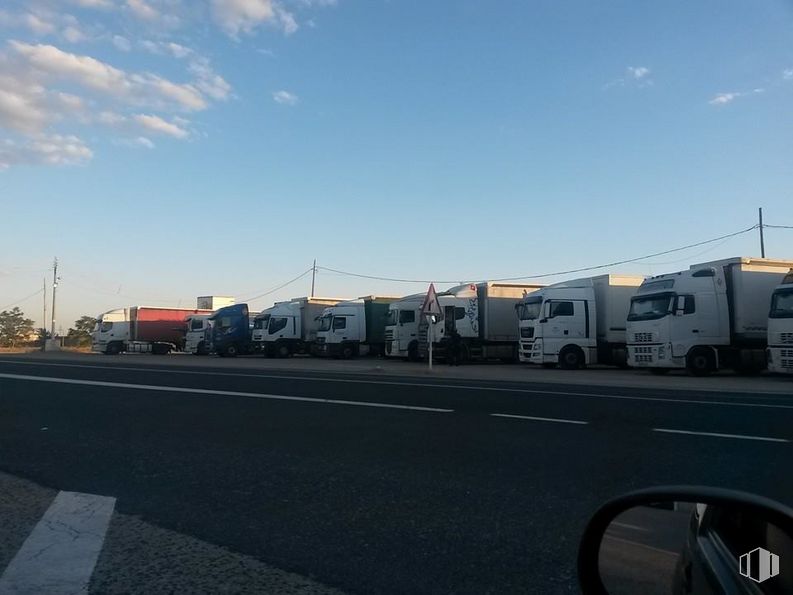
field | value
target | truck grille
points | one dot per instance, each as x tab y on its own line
527	333
786	359
643	355
320	340
786	338
642	337
389	334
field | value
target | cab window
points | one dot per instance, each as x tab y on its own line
406	316
561	309
339	323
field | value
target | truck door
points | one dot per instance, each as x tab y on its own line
689	327
567	320
449	321
339	329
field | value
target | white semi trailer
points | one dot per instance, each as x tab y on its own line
402	327
780	328
577	323
713	315
292	327
483	314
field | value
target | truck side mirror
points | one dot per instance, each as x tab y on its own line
543	320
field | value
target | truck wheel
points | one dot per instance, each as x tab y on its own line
659	371
571	358
113	349
346	352
283	350
413	353
701	362
231	351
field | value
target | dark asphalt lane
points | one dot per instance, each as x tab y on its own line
375	500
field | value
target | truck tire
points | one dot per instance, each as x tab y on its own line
571	358
346	351
113	349
701	361
413	352
231	350
282	350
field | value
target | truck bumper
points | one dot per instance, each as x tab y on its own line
525	348
99	347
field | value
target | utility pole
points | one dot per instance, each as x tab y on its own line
762	240
313	276
54	287
44	318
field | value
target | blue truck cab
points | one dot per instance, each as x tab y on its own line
231	330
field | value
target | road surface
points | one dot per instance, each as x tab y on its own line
375	483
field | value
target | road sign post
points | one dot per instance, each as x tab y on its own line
430	309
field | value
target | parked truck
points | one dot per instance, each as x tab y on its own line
231	330
780	328
713	315
292	327
483	314
577	323
141	329
352	328
402	327
198	336
260	324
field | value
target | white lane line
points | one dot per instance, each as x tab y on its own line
430	385
720	435
628	526
59	555
534	418
226	393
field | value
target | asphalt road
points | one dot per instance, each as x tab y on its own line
381	484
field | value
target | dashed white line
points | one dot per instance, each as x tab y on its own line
227	393
720	435
535	418
59	555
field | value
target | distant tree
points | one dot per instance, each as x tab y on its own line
80	334
14	327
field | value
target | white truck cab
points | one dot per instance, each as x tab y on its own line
341	330
711	316
259	330
577	323
780	328
111	328
198	337
292	326
402	327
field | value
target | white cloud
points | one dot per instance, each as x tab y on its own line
724	98
136	142
143	10
208	81
638	72
23	109
285	98
157	124
73	34
93	3
53	149
245	16
122	43
787	74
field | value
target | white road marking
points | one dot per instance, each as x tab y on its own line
433	385
227	393
637	544
59	555
628	526
533	418
720	435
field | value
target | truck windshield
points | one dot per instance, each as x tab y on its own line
391	319
530	309
324	322
105	326
277	323
262	322
196	325
650	307
782	304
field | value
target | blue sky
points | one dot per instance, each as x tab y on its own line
165	149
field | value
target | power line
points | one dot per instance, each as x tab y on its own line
778	226
567	272
274	289
22	300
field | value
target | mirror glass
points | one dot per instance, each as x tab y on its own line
681	548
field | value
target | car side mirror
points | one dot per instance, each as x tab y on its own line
543	320
685	539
